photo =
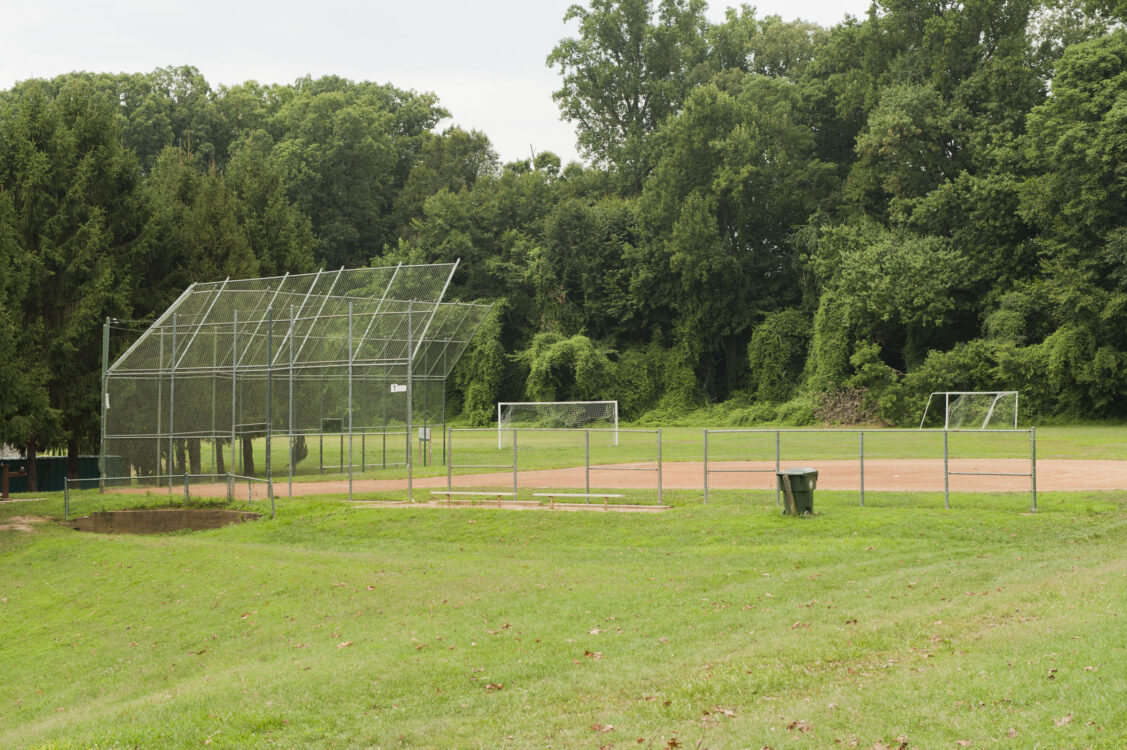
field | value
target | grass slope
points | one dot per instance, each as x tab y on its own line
717	626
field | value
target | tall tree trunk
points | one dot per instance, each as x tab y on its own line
72	458
32	483
217	446
194	456
248	456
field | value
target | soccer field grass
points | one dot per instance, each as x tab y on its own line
718	626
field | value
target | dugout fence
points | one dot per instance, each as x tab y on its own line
887	460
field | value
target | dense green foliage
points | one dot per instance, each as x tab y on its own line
930	197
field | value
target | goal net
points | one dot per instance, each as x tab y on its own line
559	415
971	410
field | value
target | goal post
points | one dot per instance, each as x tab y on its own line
973	410
558	415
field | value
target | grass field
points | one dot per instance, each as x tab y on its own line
718	626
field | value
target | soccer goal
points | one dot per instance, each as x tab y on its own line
973	410
560	415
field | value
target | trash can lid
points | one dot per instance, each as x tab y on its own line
800	470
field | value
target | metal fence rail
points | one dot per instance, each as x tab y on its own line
164	481
459	441
916	453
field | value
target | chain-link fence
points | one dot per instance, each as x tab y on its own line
883	460
84	495
330	373
546	466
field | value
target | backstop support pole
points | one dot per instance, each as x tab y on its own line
172	404
861	447
350	360
234	397
1033	464
105	399
410	405
290	420
269	401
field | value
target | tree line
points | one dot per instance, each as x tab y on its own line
779	222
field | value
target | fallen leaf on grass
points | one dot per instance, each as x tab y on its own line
344	644
1062	721
1052	674
602	728
673	743
725	711
800	726
962	743
1012	733
1090	669
494	686
594	631
800	624
595	655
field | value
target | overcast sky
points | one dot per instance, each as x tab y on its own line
484	59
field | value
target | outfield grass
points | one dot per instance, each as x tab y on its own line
718	626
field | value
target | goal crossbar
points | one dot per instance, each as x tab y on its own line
556	415
994	396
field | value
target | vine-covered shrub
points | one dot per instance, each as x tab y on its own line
567	369
479	373
776	355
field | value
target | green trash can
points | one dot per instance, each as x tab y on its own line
801	483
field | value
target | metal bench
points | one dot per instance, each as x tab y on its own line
588	495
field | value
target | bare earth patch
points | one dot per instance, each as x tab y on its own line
22	523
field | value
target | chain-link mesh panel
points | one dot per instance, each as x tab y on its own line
315	365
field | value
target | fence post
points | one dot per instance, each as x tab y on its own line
946	473
449	462
862	433
66	499
187	496
587	464
660	497
269	395
291	456
350	359
410	403
105	399
172	406
778	499
1033	463
234	389
706	466
514	464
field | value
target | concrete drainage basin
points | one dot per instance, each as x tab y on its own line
159	521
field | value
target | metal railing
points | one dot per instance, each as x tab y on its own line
915	453
173	482
652	463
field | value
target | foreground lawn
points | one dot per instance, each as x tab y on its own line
707	626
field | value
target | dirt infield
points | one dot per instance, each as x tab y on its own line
918	475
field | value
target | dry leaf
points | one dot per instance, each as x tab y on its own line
601	728
494	686
962	743
596	655
672	744
1062	721
800	726
1012	733
1090	669
344	644
724	711
901	742
594	631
